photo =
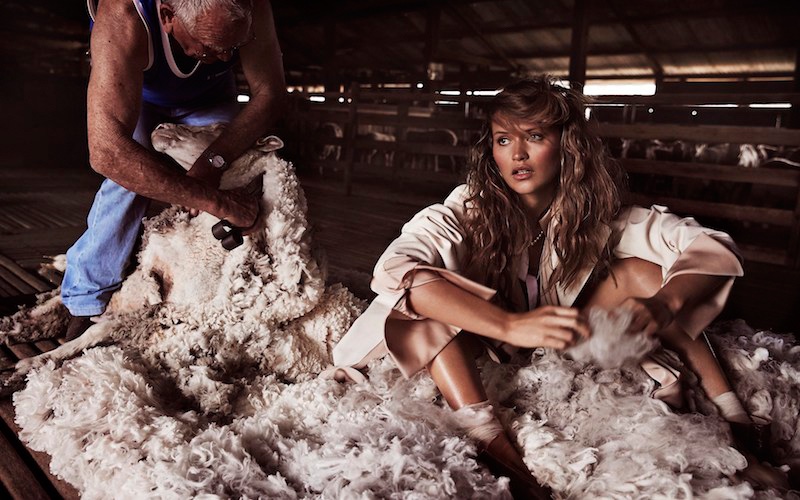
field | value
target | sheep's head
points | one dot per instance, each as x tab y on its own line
185	143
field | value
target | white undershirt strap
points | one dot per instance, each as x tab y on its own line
91	6
150	51
168	50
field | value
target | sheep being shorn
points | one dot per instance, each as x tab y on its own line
191	298
221	400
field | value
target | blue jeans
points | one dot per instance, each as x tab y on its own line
96	263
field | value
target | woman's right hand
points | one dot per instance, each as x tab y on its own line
547	326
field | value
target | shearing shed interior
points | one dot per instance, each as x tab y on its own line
699	102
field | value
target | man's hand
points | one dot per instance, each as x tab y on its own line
241	207
205	173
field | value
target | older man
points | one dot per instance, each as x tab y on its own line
157	61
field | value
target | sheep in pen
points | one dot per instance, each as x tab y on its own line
210	386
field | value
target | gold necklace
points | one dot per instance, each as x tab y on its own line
538	237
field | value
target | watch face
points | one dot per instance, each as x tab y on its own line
217	161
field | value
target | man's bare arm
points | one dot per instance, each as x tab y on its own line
119	55
262	63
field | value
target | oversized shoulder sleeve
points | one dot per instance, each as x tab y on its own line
432	240
681	246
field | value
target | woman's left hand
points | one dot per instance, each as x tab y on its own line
649	315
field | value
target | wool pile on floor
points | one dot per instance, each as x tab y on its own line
113	422
220	397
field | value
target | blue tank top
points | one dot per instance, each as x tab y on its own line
179	81
176	80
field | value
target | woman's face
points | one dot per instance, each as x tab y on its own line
528	156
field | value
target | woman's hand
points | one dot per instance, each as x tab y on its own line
548	326
649	315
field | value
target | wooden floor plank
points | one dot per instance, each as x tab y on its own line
22	351
16	476
37	462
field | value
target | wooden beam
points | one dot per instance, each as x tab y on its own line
598	18
456	56
774	216
477	31
329	69
714	172
695	99
432	23
580	41
627	51
704	133
354	11
658	70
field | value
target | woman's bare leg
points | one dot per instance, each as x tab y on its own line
456	375
638	278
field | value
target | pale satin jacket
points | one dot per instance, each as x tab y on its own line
434	240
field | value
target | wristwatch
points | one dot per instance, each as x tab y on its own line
216	160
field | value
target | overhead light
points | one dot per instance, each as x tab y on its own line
771	105
632	87
485	92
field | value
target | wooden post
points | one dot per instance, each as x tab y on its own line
794	122
431	41
329	73
400	157
794	114
580	36
350	138
659	77
793	252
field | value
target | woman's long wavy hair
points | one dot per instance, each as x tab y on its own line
589	195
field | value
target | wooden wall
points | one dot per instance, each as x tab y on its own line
44	120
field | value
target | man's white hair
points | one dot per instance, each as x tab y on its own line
189	10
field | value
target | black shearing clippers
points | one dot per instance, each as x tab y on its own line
229	235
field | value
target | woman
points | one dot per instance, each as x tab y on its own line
538	235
